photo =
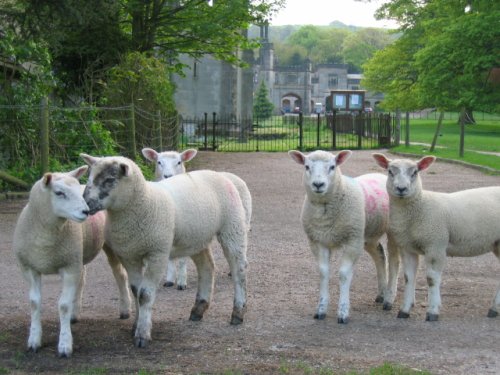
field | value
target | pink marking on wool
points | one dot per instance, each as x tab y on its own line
96	222
374	193
233	193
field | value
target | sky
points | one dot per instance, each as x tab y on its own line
322	12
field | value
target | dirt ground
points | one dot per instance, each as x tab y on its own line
279	334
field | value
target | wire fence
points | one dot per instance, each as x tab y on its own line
36	139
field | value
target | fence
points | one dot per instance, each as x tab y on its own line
293	131
35	139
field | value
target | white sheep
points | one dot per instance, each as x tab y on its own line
168	164
50	238
436	225
150	221
171	163
349	214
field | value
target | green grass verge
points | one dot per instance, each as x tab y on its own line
481	137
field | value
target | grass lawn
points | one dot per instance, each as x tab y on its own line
483	136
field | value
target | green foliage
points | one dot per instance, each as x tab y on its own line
141	80
262	107
443	58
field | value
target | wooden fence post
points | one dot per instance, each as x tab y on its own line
44	134
158	124
132	146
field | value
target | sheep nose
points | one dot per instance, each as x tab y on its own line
85	212
401	190
318	185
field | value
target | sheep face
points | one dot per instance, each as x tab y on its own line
168	163
104	181
66	195
320	169
403	179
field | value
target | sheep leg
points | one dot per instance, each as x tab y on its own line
349	257
434	268
234	246
493	312
70	284
77	303
377	253
410	264
392	284
145	293
171	272
121	279
182	273
205	267
323	257
35	282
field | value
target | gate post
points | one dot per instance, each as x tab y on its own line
214	116
317	131
44	134
205	130
301	132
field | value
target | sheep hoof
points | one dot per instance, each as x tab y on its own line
168	284
492	313
387	306
319	316
124	315
379	299
181	287
403	315
140	342
195	317
235	320
431	317
64	355
33	349
343	320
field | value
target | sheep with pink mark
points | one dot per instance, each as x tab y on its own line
169	164
148	222
436	225
347	214
55	235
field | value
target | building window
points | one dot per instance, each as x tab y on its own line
333	80
315	80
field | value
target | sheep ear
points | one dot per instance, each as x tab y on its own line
342	156
89	160
124	170
150	154
298	156
188	154
381	160
79	172
47	179
425	162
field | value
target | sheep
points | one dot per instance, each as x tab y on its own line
345	213
168	164
53	235
150	221
171	163
437	225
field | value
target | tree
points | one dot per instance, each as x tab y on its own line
262	107
447	50
359	46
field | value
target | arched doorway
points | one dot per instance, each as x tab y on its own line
291	103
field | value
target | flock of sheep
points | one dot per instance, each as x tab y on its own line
145	226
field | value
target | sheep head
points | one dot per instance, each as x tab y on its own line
65	194
320	169
168	163
105	182
403	180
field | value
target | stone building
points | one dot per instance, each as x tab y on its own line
215	86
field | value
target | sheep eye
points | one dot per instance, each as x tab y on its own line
414	174
391	173
159	162
178	163
60	194
332	167
307	167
